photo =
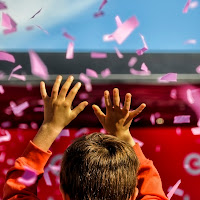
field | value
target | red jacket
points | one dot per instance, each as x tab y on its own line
149	182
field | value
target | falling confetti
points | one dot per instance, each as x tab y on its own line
68	36
91	73
36	13
119	54
7	57
21	77
181	119
98	55
8	23
170	77
105	73
172	191
70	51
2	5
145	48
185	9
132	61
1	89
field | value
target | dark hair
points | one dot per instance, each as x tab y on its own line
99	166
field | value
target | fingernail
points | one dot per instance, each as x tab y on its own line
71	77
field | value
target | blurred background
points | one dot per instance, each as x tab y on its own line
41	39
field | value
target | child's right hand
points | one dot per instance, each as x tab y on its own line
117	120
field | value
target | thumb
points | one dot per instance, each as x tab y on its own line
100	115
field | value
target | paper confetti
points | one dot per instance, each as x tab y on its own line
29	177
84	78
6	124
38	68
173	94
29	28
185	9
119	54
198	69
98	14
91	73
170	77
88	87
144	67
105	73
118	21
172	191
82	131
7	57
83	96
20	108
125	30
181	119
42	29
132	61
157	149
36	13
21	77
70	51
98	55
193	4
1	89
189	96
103	104
46	177
139	142
2	5
34	125
178	131
5	137
145	48
63	133
2	157
191	41
141	73
102	4
152	119
195	130
68	36
108	38
8	22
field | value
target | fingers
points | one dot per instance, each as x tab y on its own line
100	115
56	86
108	102
137	111
43	91
79	108
127	102
116	97
70	97
65	87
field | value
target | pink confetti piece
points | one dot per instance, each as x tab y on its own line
102	4
185	9
125	29
98	14
141	73
189	96
191	41
98	55
70	51
2	157
63	133
29	177
7	57
118	21
137	119
88	87
157	149
91	73
173	94
29	28
21	77
36	13
29	86
54	167
178	131
23	126
198	69
8	22
38	109
181	119
1	89
193	4
20	108
170	77
144	67
178	192
42	29
145	48
83	96
108	38
105	73
6	136
2	5
84	78
198	123
82	131
68	36
103	104
46	177
8	31
195	130
139	142
38	68
172	191
132	61
10	161
119	54
6	124
152	119
102	130
34	125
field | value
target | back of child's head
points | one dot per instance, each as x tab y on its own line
99	166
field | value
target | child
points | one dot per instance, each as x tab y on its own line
95	166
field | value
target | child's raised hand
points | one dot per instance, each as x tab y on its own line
57	107
117	120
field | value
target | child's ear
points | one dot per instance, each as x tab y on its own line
135	194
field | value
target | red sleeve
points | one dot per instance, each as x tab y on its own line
33	158
149	181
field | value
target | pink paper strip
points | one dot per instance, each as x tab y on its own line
170	77
145	48
42	29
2	6
29	28
1	89
157	149
36	13
70	51
185	9
141	73
198	69
91	73
103	104
144	67
105	73
125	29
67	35
2	157
8	31
84	78
6	136
7	57
98	14
178	131
193	4
98	55
191	41
108	38
38	68
18	109
82	131
7	21
119	54
172	191
181	119
173	94
46	177
152	119
83	96
132	61
21	77
88	87
118	21
139	142
102	4
195	130
63	133
189	96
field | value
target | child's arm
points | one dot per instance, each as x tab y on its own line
57	115
117	122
